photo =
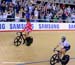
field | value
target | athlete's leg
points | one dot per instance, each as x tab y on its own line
27	34
63	51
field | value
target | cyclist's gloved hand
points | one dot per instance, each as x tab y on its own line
54	49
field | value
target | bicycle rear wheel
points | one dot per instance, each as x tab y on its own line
17	41
28	41
54	59
65	59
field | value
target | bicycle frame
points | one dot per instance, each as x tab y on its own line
21	38
21	35
58	52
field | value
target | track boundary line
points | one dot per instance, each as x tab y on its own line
19	63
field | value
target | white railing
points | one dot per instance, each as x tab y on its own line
71	2
68	20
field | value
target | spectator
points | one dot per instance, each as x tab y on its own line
69	9
64	17
59	13
27	15
36	13
9	16
34	9
17	17
4	16
1	16
3	6
73	17
69	19
55	19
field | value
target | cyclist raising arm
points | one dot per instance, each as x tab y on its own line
28	28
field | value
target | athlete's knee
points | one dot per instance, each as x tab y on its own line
63	51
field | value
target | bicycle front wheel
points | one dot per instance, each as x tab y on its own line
54	59
17	41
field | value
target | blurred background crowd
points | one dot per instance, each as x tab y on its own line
36	11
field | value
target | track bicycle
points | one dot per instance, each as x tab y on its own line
21	38
56	58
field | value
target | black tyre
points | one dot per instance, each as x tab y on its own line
65	59
54	59
17	41
28	41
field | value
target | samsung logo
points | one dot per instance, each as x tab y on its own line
48	26
71	26
2	26
17	26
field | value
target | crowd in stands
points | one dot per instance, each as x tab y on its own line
36	11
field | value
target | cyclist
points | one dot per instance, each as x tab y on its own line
64	44
28	28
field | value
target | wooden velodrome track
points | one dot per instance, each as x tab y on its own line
40	50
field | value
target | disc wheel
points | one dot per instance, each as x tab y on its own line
28	41
65	59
